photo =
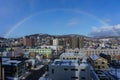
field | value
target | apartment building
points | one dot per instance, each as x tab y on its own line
22	41
55	42
12	69
69	70
30	41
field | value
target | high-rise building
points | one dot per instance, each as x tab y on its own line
55	42
81	42
62	42
22	41
67	42
29	41
75	41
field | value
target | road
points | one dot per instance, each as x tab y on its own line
36	74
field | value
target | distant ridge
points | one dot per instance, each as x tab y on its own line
65	35
57	36
106	37
1	38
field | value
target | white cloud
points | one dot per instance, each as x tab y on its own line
106	31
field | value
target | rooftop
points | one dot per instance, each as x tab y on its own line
69	63
73	54
10	62
66	62
94	57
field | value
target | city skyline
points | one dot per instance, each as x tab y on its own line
87	17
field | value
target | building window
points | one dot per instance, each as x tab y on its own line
74	69
82	69
98	67
74	77
103	67
65	69
82	77
52	71
96	62
103	62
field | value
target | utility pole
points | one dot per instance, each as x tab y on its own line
3	76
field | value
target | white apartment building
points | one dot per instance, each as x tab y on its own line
111	52
69	70
55	42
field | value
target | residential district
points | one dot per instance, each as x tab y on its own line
61	57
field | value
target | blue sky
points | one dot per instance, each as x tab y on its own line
88	17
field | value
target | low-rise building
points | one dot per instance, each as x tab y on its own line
98	62
47	52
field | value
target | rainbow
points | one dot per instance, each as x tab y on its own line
17	25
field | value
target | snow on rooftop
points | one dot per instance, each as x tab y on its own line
94	57
66	62
6	61
52	47
72	54
70	63
42	78
84	64
84	61
67	54
13	61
